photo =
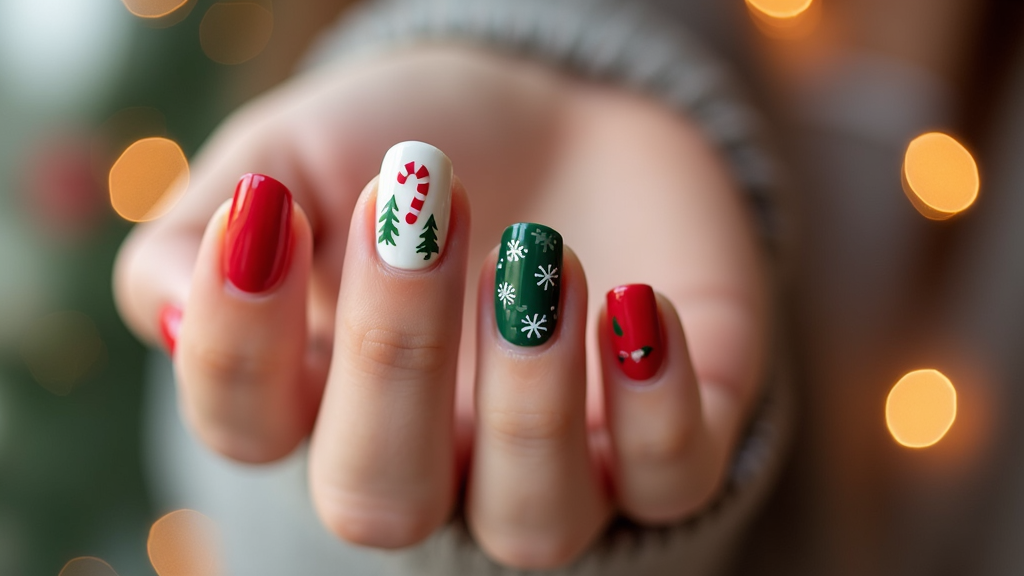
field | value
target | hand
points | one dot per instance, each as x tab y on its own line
406	387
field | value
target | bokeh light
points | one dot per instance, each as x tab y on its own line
87	566
119	131
235	32
921	408
62	349
154	8
184	543
60	188
780	9
940	177
148	179
785	19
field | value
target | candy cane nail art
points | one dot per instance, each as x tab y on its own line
413	204
422	175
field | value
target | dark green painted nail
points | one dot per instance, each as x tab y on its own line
527	283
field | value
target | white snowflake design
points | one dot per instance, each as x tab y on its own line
534	326
541	237
547	277
507	294
515	250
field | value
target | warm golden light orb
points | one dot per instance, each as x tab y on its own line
921	408
62	349
153	8
940	177
785	19
87	566
780	9
235	32
148	179
184	543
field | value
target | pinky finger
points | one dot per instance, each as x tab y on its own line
670	449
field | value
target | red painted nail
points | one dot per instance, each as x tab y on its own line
635	330
170	324
257	243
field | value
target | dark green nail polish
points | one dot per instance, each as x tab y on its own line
527	283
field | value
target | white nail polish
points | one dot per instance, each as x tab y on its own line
413	203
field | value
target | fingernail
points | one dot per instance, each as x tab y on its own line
527	282
414	196
170	325
257	242
635	330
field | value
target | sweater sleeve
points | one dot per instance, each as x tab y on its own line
627	44
616	41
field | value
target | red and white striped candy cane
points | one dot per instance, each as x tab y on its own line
423	175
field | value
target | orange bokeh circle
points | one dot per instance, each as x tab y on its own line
921	408
184	543
148	179
939	176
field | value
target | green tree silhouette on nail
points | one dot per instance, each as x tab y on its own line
389	215
429	244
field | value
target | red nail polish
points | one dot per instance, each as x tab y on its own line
635	330
257	242
170	324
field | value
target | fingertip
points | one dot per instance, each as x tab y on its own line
392	522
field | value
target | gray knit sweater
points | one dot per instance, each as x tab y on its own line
630	44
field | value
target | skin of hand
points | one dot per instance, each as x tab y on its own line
547	445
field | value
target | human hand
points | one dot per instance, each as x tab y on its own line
380	365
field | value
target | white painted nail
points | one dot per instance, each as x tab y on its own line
414	197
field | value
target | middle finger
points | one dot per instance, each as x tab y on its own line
534	498
382	457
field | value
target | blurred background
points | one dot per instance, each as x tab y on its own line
81	81
102	103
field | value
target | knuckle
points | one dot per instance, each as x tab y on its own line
665	443
374	522
243	445
529	427
227	367
669	504
384	352
533	552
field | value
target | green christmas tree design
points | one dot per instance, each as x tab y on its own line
429	244
389	215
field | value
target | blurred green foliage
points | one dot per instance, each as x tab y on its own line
71	467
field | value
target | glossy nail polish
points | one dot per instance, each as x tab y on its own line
527	283
257	242
414	194
170	325
635	329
